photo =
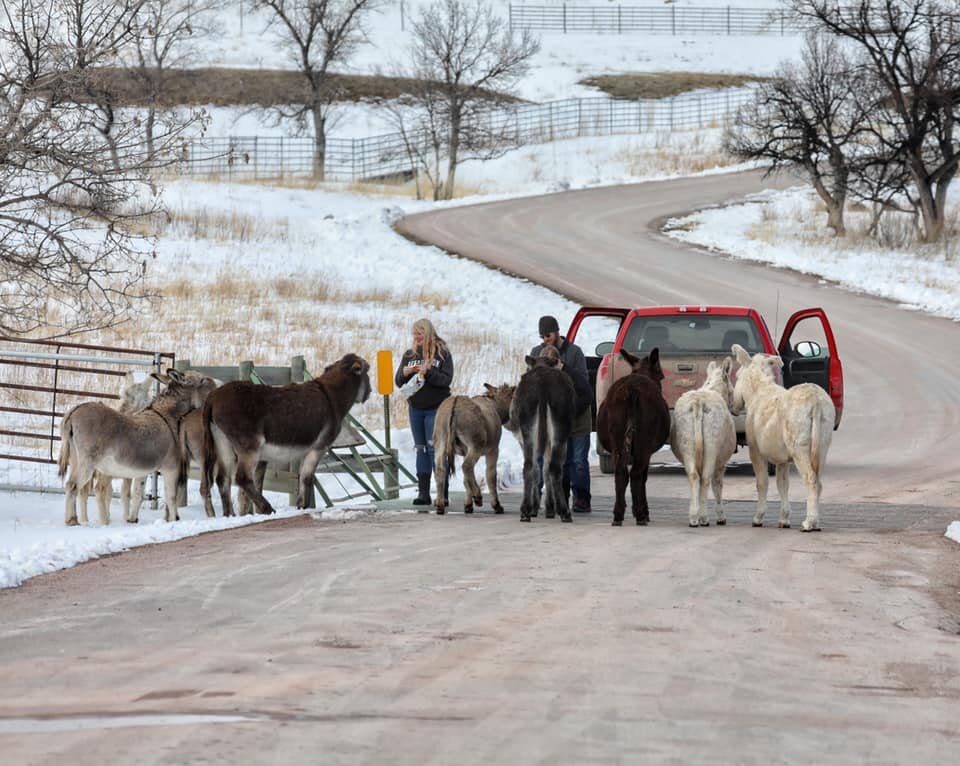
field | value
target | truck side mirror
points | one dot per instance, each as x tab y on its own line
604	348
807	348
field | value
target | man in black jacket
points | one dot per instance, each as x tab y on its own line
576	470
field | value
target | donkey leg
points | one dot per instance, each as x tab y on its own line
77	473
103	491
491	461
307	470
620	491
131	504
531	477
246	469
638	489
83	497
759	463
440	470
170	481
471	490
811	479
717	482
783	488
693	481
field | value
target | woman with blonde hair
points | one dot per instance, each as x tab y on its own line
430	360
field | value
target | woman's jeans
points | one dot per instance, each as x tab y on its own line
421	424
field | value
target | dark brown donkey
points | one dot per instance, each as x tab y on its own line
250	424
633	422
470	426
542	410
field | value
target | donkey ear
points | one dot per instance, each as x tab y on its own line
631	359
727	365
531	362
357	368
776	361
490	389
655	356
743	358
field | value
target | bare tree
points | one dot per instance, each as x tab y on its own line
318	35
462	52
70	257
911	50
809	116
167	36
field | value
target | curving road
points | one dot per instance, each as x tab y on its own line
432	640
900	435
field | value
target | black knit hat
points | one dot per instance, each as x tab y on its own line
548	324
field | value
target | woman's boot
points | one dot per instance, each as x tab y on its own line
423	492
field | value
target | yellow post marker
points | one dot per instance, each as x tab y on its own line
385	387
385	372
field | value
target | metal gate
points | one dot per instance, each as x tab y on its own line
40	380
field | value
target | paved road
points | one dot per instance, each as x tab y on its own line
418	639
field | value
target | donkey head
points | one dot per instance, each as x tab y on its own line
648	365
502	396
718	379
754	372
356	368
185	391
135	396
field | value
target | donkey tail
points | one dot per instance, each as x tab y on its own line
698	436
444	437
66	438
207	449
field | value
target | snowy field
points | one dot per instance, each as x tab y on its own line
340	237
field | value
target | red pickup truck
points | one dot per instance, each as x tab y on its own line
690	336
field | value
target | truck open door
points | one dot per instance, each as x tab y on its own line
812	356
595	329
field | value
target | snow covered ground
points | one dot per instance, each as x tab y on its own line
345	238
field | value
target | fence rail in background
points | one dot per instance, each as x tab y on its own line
378	157
654	19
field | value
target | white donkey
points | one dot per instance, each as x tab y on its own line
703	437
783	426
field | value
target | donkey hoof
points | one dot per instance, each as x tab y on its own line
617	523
784	525
566	518
525	517
549	514
468	509
809	529
441	510
758	523
642	522
693	524
133	521
497	508
721	522
478	501
705	523
72	523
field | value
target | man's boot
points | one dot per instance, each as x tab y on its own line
423	491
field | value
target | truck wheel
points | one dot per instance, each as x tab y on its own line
606	463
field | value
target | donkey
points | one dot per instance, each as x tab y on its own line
704	437
299	421
97	437
134	397
783	426
633	422
471	427
542	410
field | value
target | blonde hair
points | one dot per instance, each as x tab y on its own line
433	345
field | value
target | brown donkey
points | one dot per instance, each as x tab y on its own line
470	426
96	437
633	422
249	424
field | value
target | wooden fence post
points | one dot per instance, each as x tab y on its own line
297	375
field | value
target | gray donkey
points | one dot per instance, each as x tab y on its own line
470	426
96	437
542	411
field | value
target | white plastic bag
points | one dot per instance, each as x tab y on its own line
413	384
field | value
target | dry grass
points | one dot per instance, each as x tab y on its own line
245	87
694	155
663	84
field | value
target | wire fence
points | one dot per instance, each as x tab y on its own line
654	19
379	157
